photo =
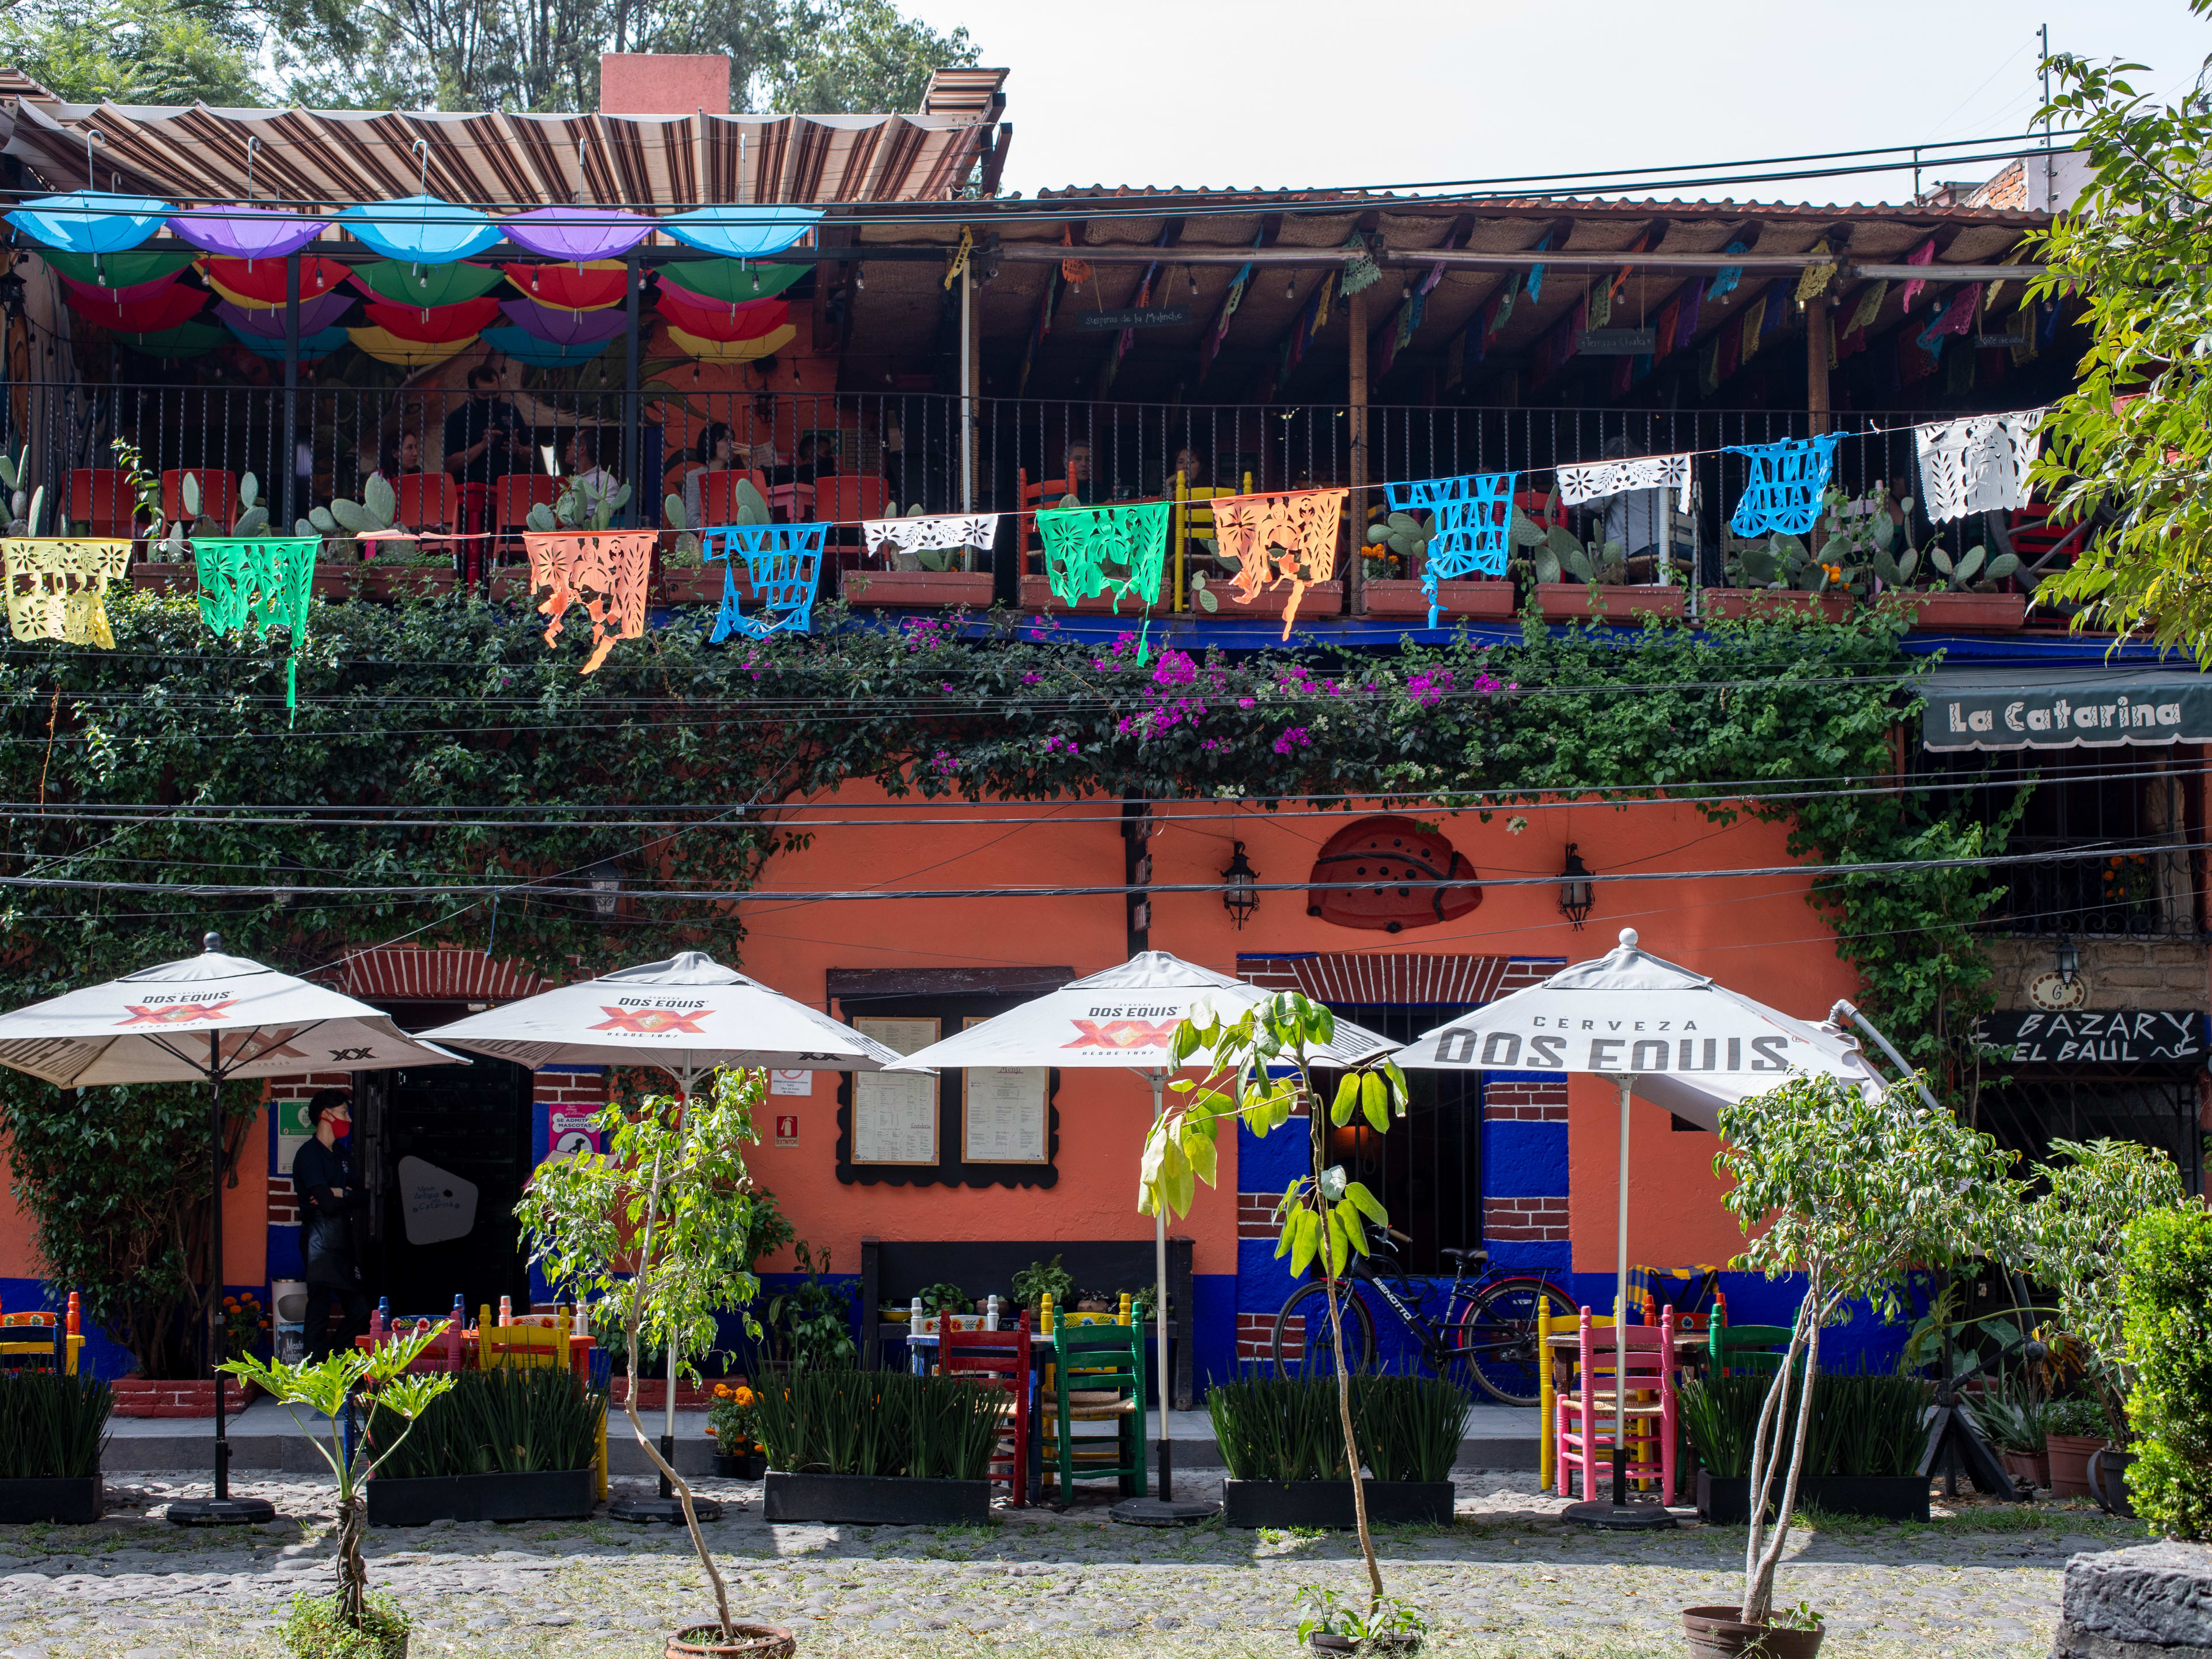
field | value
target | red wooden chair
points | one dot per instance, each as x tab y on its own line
718	495
1033	497
103	501
1584	1419
428	501
2040	544
517	493
218	495
997	1359
1544	509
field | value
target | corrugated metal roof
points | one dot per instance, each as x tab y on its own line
325	159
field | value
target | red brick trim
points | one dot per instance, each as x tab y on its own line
1256	1334
1255	1215
1525	1220
1525	1101
283	1203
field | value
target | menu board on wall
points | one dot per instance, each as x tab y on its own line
1002	1114
895	1113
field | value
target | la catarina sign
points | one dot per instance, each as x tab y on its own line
1977	707
2118	1036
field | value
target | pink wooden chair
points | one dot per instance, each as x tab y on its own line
1583	1425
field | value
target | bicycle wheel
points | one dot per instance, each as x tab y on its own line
1302	1344
1497	1346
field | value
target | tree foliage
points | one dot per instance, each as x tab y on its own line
135	52
1848	1191
2130	448
2165	1305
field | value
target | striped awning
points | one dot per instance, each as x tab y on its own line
318	161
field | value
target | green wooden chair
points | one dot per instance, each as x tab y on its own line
1099	1377
1745	1349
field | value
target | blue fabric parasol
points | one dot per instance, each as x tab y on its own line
312	346
421	230
750	232
525	347
89	220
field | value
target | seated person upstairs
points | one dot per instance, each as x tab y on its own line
484	440
1076	469
815	460
1188	463
593	483
716	452
398	458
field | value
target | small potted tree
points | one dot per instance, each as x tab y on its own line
353	1623
1846	1192
1262	1070
661	1225
2071	1243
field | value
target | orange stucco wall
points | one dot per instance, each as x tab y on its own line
1755	933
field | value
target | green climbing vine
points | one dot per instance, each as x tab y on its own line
438	742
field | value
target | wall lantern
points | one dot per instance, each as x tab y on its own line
1240	894
605	879
2069	959
1577	892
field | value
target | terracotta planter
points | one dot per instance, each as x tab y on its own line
754	1642
139	1397
1321	600
2069	1463
1037	595
2030	1468
1717	1633
150	578
1572	601
1491	601
1961	613
1739	602
934	590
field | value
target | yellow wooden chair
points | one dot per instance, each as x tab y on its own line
41	1342
534	1340
1193	521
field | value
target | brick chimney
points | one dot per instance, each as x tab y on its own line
650	83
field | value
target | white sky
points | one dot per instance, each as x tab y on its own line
1289	93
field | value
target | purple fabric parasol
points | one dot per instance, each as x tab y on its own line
239	232
268	321
562	326
577	235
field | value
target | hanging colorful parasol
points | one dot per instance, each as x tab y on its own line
89	220
435	324
706	282
726	322
116	269
731	351
240	232
312	346
422	230
525	347
577	235
165	310
88	296
593	288
388	348
193	339
752	231
254	282
423	285
564	327
267	322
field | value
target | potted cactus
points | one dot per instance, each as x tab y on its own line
942	578
687	575
360	534
1397	550
1961	594
1569	579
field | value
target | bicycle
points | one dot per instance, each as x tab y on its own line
1487	1338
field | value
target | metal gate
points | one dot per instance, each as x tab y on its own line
2159	1108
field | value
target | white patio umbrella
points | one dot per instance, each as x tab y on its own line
687	1016
1125	1016
147	1027
1675	1037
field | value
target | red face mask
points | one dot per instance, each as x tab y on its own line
340	1128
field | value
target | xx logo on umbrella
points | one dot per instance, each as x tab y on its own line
183	1014
651	1021
1124	1034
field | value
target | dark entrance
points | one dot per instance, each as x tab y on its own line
1428	1170
429	1136
2155	1106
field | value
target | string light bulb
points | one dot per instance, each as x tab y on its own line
1291	288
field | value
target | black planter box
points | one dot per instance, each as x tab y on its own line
749	1466
62	1501
1328	1503
1726	1499
876	1500
546	1495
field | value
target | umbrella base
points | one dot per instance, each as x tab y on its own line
666	1510
1162	1511
1621	1517
221	1511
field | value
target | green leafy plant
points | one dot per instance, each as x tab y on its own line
1404	540
52	1426
1721	1416
585	508
1804	1616
2166	1319
314	1628
686	554
1849	1192
509	1421
734	1418
1384	1625
2070	1238
2015	1420
813	1320
1279	1428
879	1423
1261	1065
323	1388
662	1224
1040	1280
1868	1423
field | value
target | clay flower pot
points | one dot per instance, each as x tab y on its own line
754	1642
1719	1633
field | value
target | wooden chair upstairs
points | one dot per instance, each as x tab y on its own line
1585	1412
102	502
1045	492
1099	1377
218	496
1744	1350
718	495
1193	524
427	502
1000	1360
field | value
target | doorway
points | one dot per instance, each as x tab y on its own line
445	1151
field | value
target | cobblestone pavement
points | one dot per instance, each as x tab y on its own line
1508	1581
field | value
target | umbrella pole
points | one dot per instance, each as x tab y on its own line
215	1267
1621	1318
1160	1303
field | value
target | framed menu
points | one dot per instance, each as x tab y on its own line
1003	1112
895	1114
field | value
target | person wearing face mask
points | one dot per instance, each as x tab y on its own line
329	1198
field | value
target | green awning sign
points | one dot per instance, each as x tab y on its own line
2065	708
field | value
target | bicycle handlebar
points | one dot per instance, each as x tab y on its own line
1403	1238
